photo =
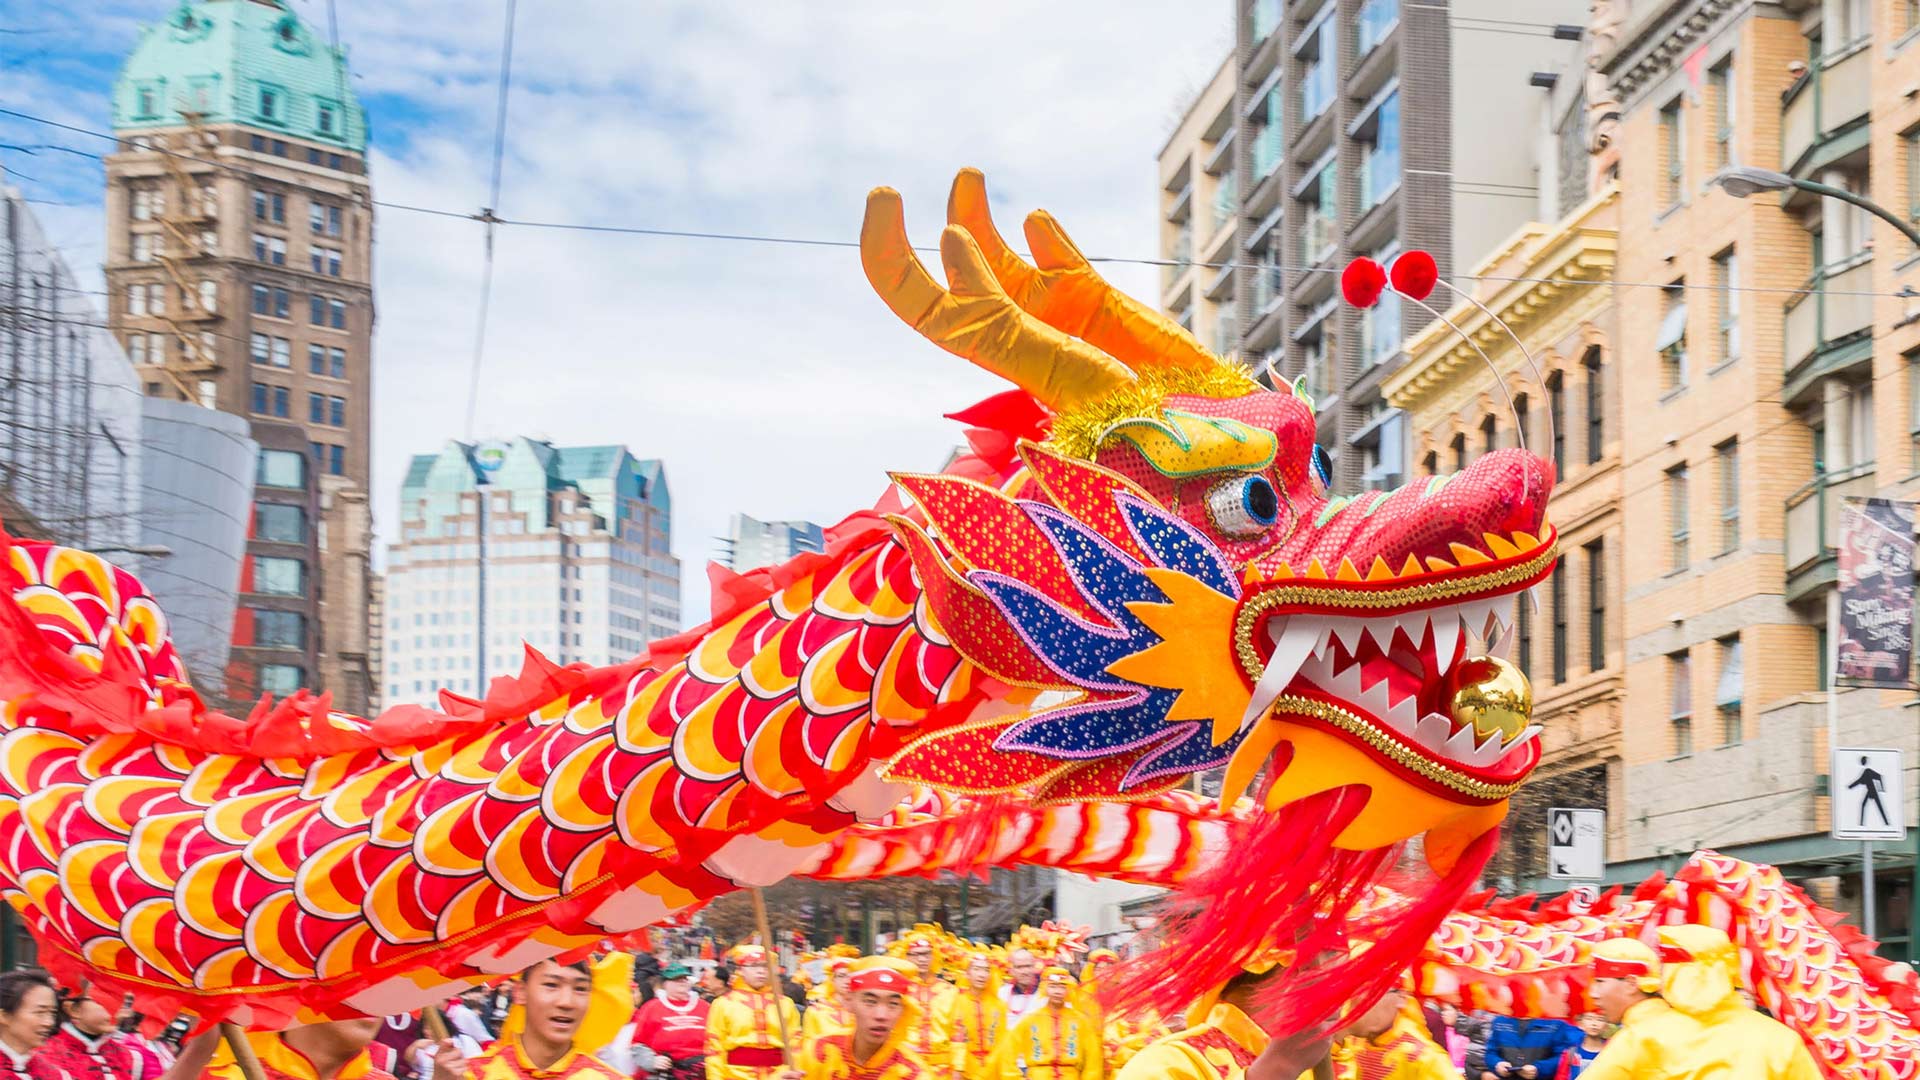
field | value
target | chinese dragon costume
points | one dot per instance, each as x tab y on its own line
1138	572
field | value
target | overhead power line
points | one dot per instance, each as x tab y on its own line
484	216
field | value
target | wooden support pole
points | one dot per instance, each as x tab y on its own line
773	974
242	1050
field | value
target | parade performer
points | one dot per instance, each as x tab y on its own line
1221	1040
1056	1042
1122	1034
84	1046
933	997
979	1019
1708	1030
828	1014
1626	991
674	1024
744	1026
879	995
1389	1041
554	1001
337	1050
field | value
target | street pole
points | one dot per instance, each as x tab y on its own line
1833	626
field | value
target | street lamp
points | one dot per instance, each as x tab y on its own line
1741	181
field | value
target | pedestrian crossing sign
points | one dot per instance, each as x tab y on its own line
1868	795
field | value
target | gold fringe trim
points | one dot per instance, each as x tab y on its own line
1077	430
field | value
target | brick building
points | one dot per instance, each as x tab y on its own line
239	268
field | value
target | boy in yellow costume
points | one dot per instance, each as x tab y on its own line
744	1027
979	1019
1057	1042
875	1046
1708	1030
555	1000
828	1014
1390	1042
932	996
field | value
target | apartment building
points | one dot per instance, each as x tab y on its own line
752	543
1356	127
565	548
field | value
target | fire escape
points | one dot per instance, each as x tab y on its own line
187	245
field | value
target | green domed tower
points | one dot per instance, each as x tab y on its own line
239	262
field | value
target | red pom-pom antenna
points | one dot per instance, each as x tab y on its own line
1362	282
1414	274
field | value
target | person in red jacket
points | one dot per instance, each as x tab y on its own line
83	1048
674	1024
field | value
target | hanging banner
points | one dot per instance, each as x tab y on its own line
1876	594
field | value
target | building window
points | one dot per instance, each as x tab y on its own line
146	101
1319	228
269	206
1459	448
1596	406
1557	413
1726	459
1913	411
324	260
270	301
336	460
337	411
209	297
1380	324
282	353
1673	154
269	103
337	314
316	359
137	355
1726	293
337	363
1727	692
323	219
1596	605
1557	587
144	246
279	523
269	249
1380	167
279	629
316	408
282	469
1680	717
269	400
1671	343
281	680
1431	462
1318	74
274	575
1725	113
326	116
1910	147
1489	435
260	349
136	299
1677	517
1372	23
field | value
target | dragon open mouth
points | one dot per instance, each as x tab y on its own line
1388	680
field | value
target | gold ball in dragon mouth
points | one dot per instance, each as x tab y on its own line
1490	694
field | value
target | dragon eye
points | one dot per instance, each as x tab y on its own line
1322	465
1243	506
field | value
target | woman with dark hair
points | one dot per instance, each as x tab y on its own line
84	1047
27	1011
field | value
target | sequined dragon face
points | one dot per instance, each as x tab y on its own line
1170	586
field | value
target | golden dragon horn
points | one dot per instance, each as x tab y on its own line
1065	292
975	319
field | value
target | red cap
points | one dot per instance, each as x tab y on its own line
877	978
1604	968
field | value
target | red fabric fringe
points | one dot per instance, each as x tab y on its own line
1281	885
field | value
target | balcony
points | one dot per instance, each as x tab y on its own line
1220	159
1226	202
1319	235
1269	150
1827	313
1813	526
1266	17
1182	207
1180	260
1372	23
1830	100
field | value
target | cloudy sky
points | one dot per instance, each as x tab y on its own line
768	377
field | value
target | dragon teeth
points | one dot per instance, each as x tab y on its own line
1446	639
1294	640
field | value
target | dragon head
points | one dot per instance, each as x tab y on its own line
1167	583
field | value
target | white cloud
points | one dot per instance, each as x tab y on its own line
768	377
